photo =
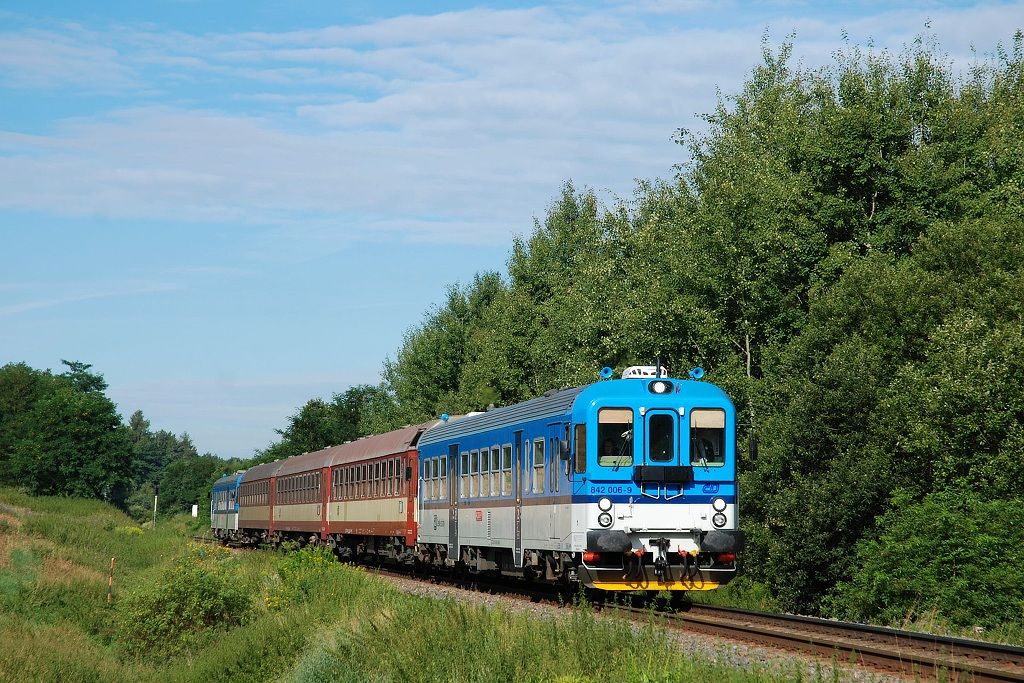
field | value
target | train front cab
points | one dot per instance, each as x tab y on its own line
654	485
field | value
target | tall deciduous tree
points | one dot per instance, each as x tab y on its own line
60	435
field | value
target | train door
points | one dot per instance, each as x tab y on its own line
556	468
517	491
662	443
453	503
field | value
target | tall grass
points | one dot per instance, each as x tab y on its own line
386	635
304	618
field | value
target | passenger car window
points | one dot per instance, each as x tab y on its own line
506	469
495	471
474	473
485	477
538	466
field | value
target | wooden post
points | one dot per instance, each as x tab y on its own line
110	583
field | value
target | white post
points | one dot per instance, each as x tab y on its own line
154	510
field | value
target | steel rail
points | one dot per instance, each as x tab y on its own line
919	655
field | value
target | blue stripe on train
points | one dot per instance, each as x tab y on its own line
685	499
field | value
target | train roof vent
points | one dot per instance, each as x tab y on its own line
643	371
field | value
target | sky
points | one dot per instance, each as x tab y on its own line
229	208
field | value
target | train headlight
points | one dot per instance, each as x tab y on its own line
659	387
718	504
718	520
605	504
605	519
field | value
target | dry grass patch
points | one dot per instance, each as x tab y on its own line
10	521
58	570
14	510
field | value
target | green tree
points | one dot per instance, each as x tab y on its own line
78	447
952	555
80	377
188	481
21	387
319	424
424	377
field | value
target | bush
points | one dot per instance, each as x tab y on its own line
198	593
298	574
951	554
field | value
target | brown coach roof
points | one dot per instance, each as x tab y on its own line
379	445
307	462
264	471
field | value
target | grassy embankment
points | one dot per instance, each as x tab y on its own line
186	613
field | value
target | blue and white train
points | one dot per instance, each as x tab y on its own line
224	506
625	484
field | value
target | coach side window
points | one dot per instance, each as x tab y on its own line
441	468
464	474
538	466
435	471
506	469
495	471
481	474
474	473
485	473
428	484
444	478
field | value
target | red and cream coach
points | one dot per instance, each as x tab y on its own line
359	497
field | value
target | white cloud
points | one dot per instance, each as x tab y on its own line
49	59
457	126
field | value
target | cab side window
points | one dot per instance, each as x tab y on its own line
707	437
615	437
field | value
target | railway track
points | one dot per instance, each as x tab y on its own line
915	655
919	656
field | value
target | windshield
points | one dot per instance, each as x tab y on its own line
615	437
